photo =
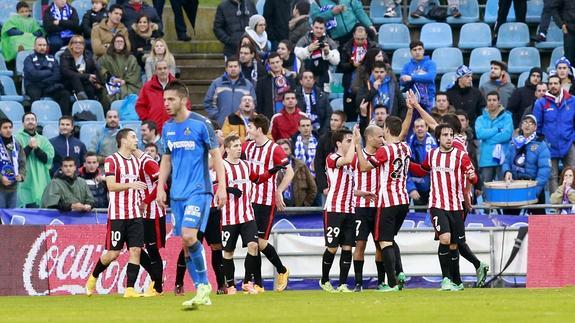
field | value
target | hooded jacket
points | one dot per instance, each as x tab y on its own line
228	26
150	104
492	132
504	88
523	98
98	189
555	120
224	96
38	163
536	162
63	191
422	79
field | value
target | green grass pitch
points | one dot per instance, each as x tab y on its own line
411	305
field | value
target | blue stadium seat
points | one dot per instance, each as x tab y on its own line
554	37
9	90
446	80
534	9
46	110
474	35
89	130
522	59
447	59
17	126
337	104
435	35
377	10
7	8
555	55
13	110
491	12
479	61
523	77
116	105
513	34
37	11
91	105
400	57
82	6
484	78
50	129
394	36
20	57
134	125
260	7
420	20
469	13
3	69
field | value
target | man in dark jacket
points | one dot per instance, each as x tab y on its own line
60	22
252	69
564	16
42	77
66	145
524	97
66	191
277	19
134	8
232	17
95	179
314	102
324	148
463	96
271	88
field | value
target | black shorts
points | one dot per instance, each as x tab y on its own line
448	222
339	229
364	222
230	234
129	231
264	215
213	233
155	231
389	221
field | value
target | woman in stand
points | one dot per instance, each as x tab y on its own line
291	62
79	71
142	34
159	52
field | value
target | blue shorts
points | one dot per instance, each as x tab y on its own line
191	213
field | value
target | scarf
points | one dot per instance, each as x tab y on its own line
279	86
65	14
520	143
332	23
260	40
307	156
309	105
9	159
358	51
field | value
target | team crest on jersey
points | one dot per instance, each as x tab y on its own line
329	239
534	147
187	131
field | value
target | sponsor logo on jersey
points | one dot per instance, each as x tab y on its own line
184	144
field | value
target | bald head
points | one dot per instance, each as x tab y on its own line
373	136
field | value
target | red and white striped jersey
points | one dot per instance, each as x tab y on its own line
149	172
262	158
340	186
213	178
448	175
393	162
365	181
238	210
460	142
123	205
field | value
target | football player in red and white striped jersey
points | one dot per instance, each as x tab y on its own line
124	219
339	208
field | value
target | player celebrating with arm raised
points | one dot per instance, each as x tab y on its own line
187	143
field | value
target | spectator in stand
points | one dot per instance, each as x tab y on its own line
134	9
159	52
79	70
564	70
68	192
565	193
271	88
524	97
324	148
540	91
494	128
463	96
499	81
232	17
104	142
564	17
12	165
555	113
96	181
142	35
469	135
120	70
305	144
93	17
150	104
225	93
352	56
419	75
420	142
39	154
382	89
277	17
290	60
378	119
299	24
238	122
528	158
252	68
390	6
302	190
285	123
60	21
104	32
422	4
340	17
152	150
442	106
314	102
19	32
150	135
520	7
318	52
42	77
544	22
256	32
66	145
191	9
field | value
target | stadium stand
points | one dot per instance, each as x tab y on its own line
436	34
50	129
523	77
555	55
469	10
116	105
10	93
88	130
7	7
484	78
89	105
554	38
3	69
377	10
474	35
81	7
491	12
394	36
480	58
447	80
12	109
337	104
447	59
522	59
46	110
399	58
421	20
534	9
513	34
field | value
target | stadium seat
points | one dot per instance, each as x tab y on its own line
37	11
260	7
88	130
491	12
522	59
81	7
394	36
337	104
13	110
3	69
474	35
134	125
50	129
115	105
513	34
90	105
435	35
469	13
9	90
421	20
447	59
7	8
555	55
377	10
484	78
523	77
400	57
534	9
46	110
554	37
479	61
446	80
17	126
20	57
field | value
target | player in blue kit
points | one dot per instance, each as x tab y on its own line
187	144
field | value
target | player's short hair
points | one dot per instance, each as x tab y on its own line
179	87
4	120
122	134
262	122
452	120
440	128
460	112
339	135
67	159
151	124
493	93
229	139
393	124
69	118
341	114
